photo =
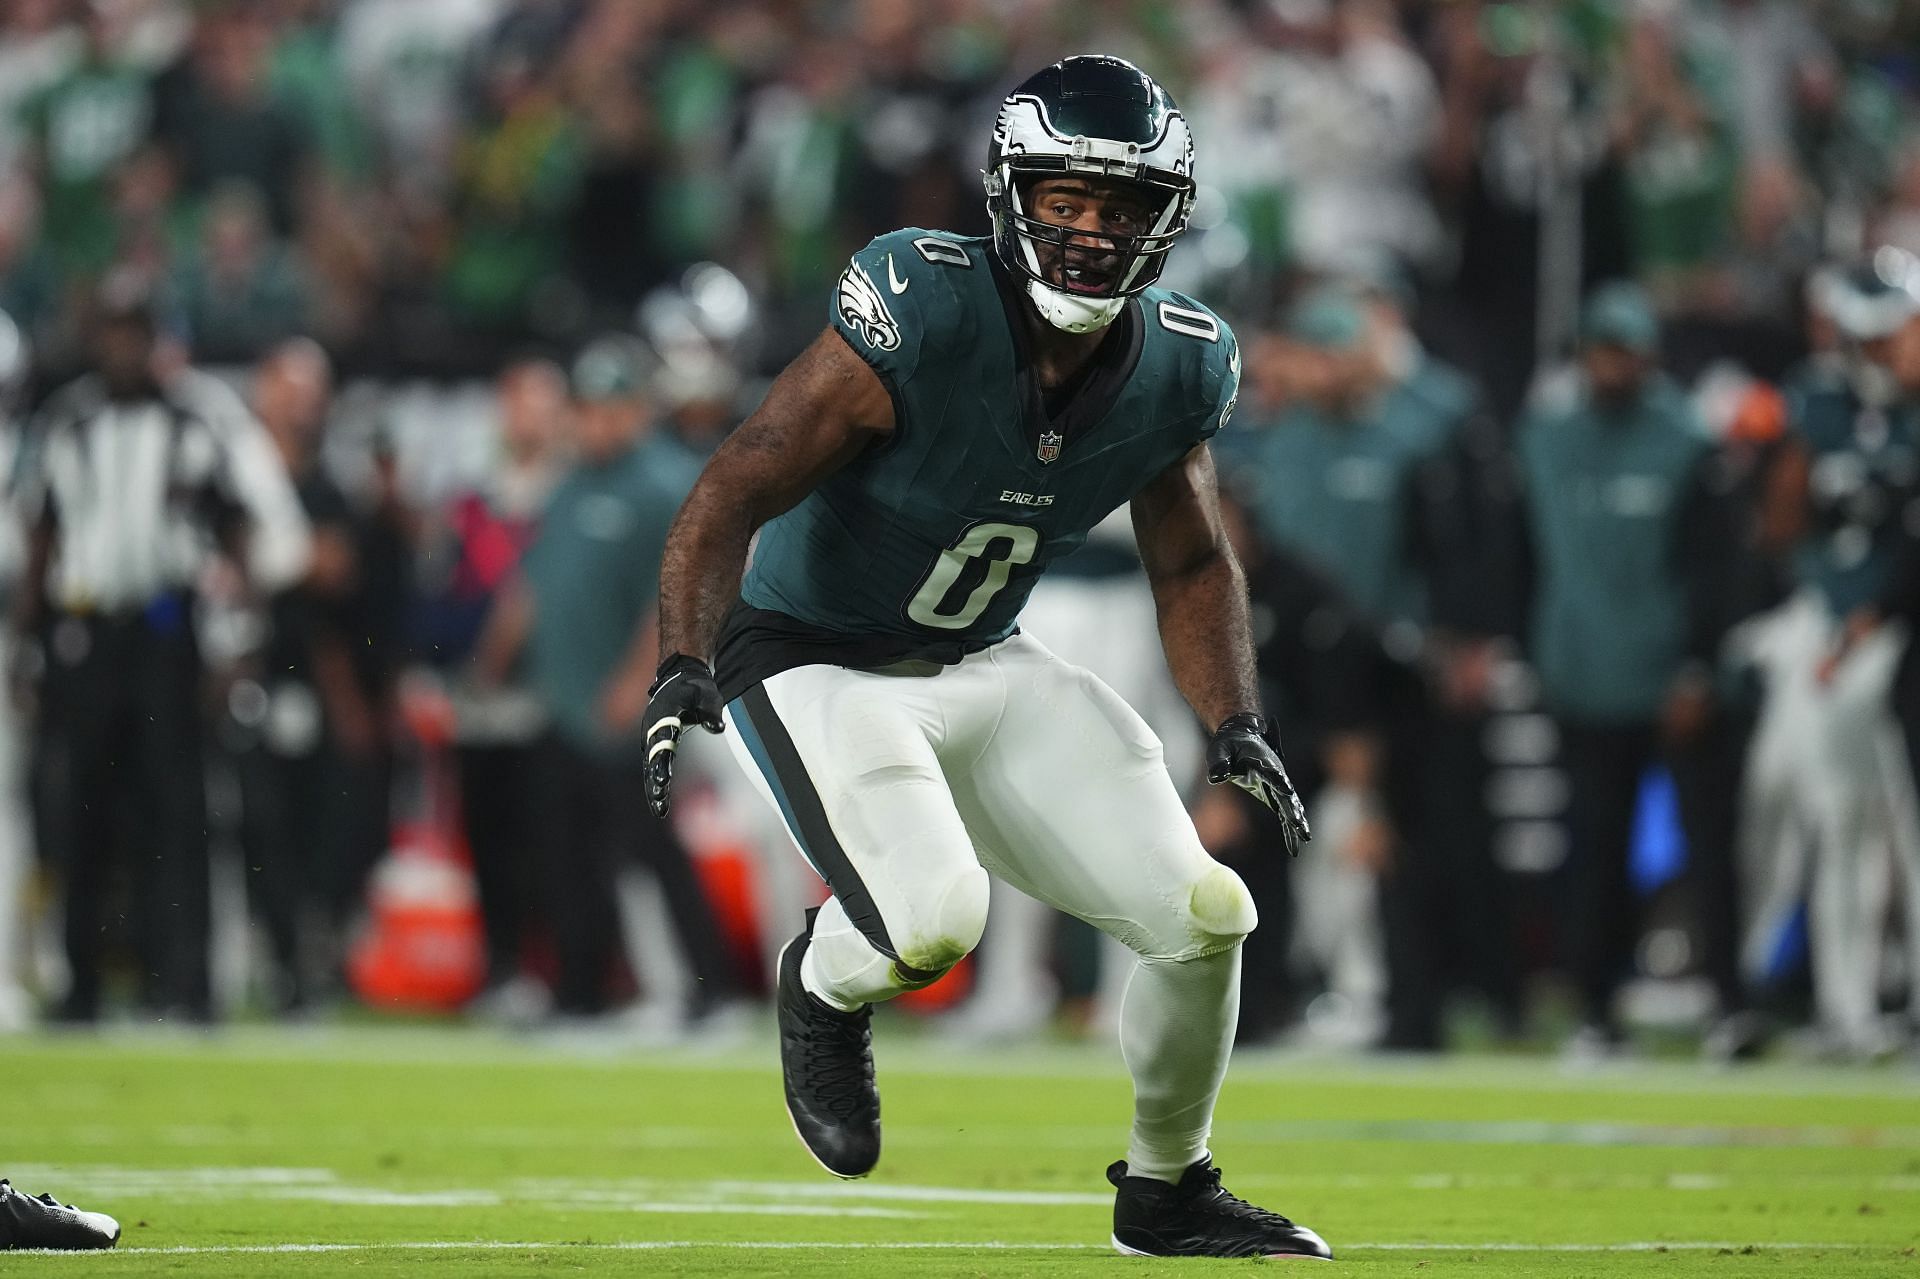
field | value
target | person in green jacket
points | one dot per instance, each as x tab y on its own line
1356	466
583	607
1626	537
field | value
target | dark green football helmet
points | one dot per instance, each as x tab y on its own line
1102	117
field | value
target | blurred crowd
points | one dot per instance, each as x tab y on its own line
1572	469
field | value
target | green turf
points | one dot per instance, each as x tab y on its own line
614	1161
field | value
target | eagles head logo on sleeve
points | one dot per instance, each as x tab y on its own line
1233	396
865	310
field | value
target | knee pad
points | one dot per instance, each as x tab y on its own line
952	928
1210	914
1220	910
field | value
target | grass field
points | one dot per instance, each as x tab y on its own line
373	1152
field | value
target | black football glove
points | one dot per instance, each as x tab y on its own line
683	694
1240	753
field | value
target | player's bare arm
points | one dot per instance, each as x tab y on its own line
1200	596
1198	588
820	413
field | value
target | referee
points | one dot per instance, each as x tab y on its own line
137	483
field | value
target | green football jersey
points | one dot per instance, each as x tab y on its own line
927	545
1862	462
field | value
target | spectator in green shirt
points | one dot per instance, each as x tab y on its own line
584	607
81	130
1627	539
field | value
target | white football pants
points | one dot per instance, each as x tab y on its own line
1831	761
1108	625
901	785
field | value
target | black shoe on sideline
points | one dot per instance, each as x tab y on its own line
1198	1218
826	1063
27	1221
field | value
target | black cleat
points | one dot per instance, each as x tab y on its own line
1199	1218
27	1221
826	1063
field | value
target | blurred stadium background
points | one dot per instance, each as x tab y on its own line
1605	742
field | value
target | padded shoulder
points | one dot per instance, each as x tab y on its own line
905	298
1201	350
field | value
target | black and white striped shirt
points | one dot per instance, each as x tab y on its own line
138	492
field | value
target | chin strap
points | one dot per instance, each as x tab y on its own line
1074	314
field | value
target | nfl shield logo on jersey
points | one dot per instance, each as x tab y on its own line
1049	449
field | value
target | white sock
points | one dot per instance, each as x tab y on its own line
1176	1029
841	968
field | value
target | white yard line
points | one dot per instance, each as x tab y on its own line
799	1245
912	1194
574	1189
1093	1137
1645	1245
120	1178
635	1245
826	1198
476	1047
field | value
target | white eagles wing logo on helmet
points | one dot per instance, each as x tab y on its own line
864	309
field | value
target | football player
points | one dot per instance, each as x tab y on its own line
1845	484
974	408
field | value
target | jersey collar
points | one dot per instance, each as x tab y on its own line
1097	386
